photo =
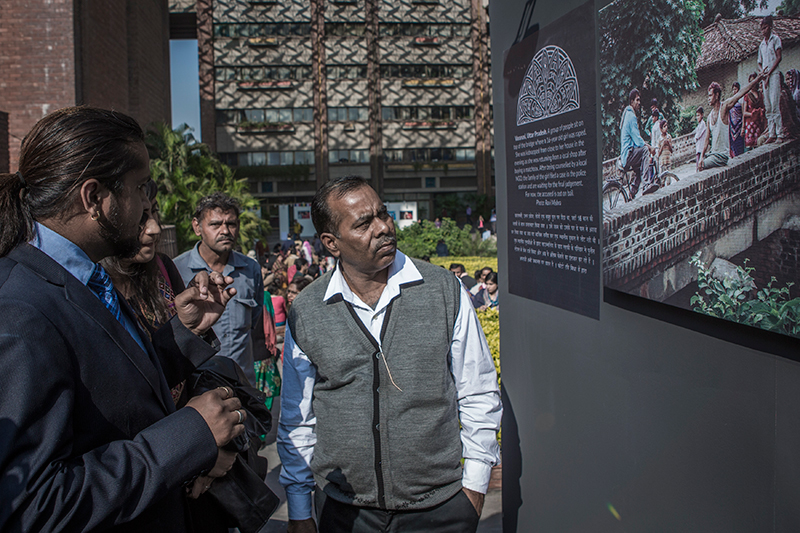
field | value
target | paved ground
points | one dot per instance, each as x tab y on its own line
491	519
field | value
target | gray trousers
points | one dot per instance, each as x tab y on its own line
715	159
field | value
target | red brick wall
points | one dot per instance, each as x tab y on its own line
103	65
124	57
37	63
148	61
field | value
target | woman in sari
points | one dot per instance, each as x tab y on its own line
754	113
736	123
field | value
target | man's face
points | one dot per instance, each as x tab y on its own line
456	271
366	241
636	104
218	230
765	31
698	117
126	211
712	97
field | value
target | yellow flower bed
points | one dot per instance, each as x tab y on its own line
470	263
490	322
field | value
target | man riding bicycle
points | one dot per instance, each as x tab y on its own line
635	153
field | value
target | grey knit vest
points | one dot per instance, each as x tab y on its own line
378	446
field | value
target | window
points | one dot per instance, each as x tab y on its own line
341	114
304	157
393	156
273	158
227	116
254	115
430	183
357	113
266	186
440	113
286	158
465	154
303	114
348	156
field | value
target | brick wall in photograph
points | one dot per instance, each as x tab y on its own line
655	232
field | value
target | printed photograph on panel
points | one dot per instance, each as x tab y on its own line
700	115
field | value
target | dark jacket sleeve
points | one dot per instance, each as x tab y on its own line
179	350
66	462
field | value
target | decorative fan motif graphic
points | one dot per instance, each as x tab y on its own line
550	87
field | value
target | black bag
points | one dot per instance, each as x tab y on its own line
242	492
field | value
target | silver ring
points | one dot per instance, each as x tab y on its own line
241	416
228	392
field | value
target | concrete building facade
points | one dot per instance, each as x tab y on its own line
107	53
295	92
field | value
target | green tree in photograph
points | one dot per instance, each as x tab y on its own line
186	171
730	9
652	46
790	8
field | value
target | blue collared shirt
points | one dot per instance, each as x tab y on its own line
235	327
75	261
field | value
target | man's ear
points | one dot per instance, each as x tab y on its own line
329	241
91	194
196	226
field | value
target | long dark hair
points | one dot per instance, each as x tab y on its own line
143	277
61	152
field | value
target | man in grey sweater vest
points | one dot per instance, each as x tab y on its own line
388	383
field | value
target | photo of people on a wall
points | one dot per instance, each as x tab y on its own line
701	149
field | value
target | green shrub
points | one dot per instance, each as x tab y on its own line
686	123
738	299
421	239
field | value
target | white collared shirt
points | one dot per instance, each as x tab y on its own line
473	371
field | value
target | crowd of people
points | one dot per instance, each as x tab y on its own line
766	110
131	403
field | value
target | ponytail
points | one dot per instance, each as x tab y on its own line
16	223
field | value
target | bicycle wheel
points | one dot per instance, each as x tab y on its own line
612	192
667	178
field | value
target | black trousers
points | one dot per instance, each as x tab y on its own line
456	515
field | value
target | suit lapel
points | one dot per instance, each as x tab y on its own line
90	306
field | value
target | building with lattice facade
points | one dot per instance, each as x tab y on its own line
295	92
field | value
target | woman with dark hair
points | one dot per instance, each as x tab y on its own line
789	121
487	297
149	281
753	111
293	290
736	123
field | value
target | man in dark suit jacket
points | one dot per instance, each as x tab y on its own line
89	435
